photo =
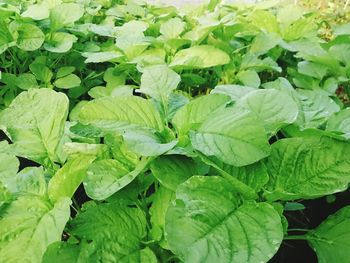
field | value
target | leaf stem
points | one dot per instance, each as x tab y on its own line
295	237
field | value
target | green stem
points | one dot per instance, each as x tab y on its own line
299	229
296	237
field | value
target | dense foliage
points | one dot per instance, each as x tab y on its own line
165	135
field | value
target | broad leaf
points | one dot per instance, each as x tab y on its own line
65	14
340	122
106	177
120	113
234	136
158	82
275	108
197	111
35	123
29	225
204	56
66	180
116	233
307	168
218	228
331	239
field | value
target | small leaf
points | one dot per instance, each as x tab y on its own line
67	82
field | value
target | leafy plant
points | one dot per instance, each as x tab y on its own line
166	135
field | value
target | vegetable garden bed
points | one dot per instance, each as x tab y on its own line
140	133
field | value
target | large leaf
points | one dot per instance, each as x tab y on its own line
307	168
234	91
204	56
35	123
116	233
30	37
172	28
217	228
162	198
197	111
120	113
233	135
9	166
172	170
331	239
60	42
317	107
275	108
158	82
36	12
66	180
29	225
340	122
106	177
65	14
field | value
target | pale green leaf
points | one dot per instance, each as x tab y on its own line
36	12
67	179
65	14
234	136
60	42
172	28
67	82
106	177
273	107
217	227
158	82
249	78
29	225
197	111
234	91
203	56
35	123
120	113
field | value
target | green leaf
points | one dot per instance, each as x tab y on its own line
254	175
306	168
197	111
317	107
203	56
36	12
158	82
60	42
106	177
9	166
31	180
67	179
172	170
161	201
249	78
29	225
146	143
234	136
35	123
311	69
217	227
331	239
26	81
340	122
273	107
30	37
41	72
234	91
116	233
67	82
264	42
64	71
265	20
120	114
6	38
65	252
99	57
65	14
172	28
